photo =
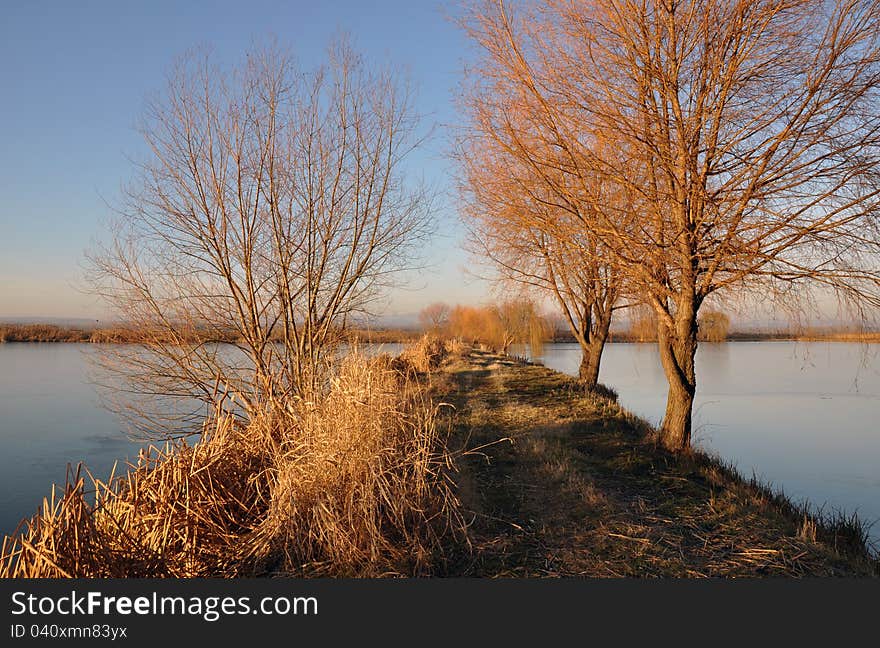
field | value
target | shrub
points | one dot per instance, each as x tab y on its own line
713	326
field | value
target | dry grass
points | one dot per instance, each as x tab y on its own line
354	482
381	336
841	336
103	335
427	353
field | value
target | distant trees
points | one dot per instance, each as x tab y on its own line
467	323
434	317
643	324
517	321
713	326
501	325
743	137
272	206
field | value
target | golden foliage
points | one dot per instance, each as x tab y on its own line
500	326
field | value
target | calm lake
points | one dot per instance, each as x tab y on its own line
803	416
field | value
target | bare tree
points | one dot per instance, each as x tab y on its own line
643	324
467	323
272	207
434	316
748	130
516	321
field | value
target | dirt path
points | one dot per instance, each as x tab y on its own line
558	483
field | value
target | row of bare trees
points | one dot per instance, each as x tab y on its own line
502	325
672	150
712	325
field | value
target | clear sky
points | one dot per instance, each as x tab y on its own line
73	81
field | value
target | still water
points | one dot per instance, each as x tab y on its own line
50	416
803	416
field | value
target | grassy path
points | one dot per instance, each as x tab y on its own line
559	483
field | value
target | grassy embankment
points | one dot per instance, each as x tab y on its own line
571	484
526	476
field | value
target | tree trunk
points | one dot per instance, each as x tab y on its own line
677	351
588	373
591	358
675	433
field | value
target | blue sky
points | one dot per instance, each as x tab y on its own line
74	78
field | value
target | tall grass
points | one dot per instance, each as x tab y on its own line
352	482
427	353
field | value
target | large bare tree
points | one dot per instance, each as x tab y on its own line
747	130
272	206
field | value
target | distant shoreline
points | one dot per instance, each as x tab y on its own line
52	333
749	336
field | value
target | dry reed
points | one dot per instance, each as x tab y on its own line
353	482
427	353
